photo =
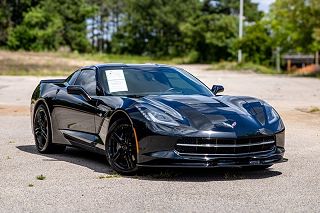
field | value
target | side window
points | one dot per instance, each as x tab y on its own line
72	78
87	80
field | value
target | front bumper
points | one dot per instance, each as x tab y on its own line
160	151
215	162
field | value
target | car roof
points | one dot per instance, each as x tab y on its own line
146	65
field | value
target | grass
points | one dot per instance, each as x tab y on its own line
113	58
311	110
314	110
30	185
41	177
62	63
243	67
11	141
313	75
109	176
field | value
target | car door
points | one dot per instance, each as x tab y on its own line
75	115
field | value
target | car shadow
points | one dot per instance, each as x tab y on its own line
95	162
98	163
205	174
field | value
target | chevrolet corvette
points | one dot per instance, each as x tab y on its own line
150	115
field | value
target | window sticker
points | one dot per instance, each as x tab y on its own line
116	81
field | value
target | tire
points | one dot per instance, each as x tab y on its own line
121	150
42	132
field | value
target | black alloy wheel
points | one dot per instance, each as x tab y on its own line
42	132
121	148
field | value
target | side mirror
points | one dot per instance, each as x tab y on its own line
217	88
78	90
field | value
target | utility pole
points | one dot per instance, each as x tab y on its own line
278	59
240	30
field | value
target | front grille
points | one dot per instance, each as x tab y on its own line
217	146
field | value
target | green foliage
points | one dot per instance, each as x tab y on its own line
11	15
52	24
210	37
73	14
151	27
257	44
231	7
188	31
243	67
294	24
38	31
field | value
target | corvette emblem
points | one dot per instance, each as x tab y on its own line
234	124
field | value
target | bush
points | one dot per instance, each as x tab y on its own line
38	31
243	67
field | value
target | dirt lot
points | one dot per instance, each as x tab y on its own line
81	181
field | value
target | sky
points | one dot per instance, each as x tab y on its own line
264	4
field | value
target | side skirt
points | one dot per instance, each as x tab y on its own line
83	140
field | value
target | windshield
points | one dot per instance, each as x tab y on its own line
144	81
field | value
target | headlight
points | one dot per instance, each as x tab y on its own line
157	116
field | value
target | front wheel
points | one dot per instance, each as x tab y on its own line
121	148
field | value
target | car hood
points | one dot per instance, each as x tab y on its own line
240	116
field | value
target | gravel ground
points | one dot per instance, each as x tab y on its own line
78	181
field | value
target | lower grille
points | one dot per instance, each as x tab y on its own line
217	146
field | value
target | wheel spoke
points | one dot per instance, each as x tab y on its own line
38	119
117	138
37	130
117	155
44	135
129	161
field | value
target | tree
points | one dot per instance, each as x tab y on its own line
257	43
293	24
104	22
11	15
151	27
52	24
210	37
74	14
211	32
231	7
38	31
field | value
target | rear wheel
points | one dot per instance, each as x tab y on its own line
42	132
121	148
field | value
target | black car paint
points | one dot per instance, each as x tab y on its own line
84	123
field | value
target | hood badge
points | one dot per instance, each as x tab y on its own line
234	124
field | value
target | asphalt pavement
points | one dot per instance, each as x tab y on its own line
79	181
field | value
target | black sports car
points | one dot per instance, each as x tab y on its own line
154	116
